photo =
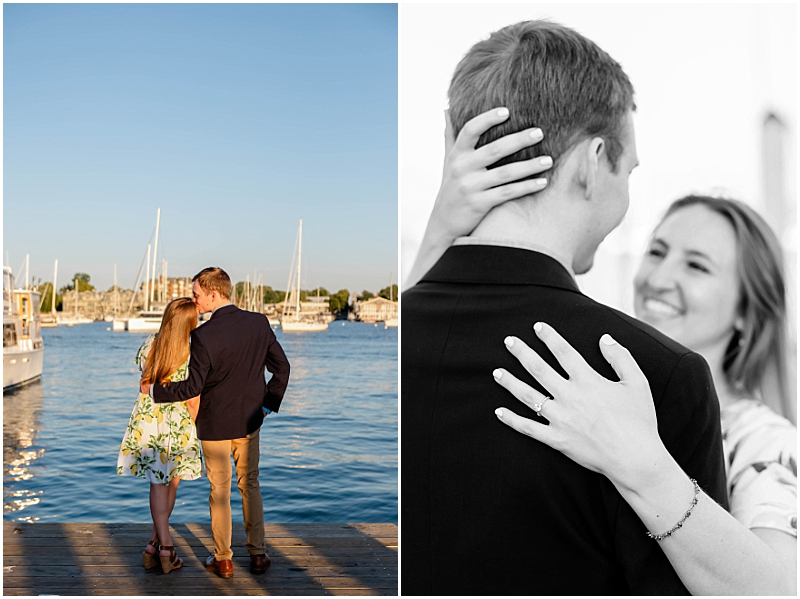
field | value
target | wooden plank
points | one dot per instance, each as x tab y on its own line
86	591
174	581
20	550
194	568
140	541
50	529
135	560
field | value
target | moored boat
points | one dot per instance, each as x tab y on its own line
23	348
294	321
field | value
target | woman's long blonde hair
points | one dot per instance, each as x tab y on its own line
171	346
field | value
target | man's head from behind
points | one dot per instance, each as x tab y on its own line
211	289
551	77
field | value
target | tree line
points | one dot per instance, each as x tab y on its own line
337	302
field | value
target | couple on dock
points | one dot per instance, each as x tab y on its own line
648	461
218	383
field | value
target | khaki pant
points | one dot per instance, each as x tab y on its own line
218	466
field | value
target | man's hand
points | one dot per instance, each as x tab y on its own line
144	387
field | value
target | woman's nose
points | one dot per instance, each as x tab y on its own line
663	277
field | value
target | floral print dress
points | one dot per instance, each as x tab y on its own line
761	460
160	442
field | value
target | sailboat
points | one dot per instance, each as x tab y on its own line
295	322
390	322
51	320
77	319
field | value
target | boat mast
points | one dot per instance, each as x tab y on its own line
299	260
116	295
155	253
53	307
27	274
288	295
147	283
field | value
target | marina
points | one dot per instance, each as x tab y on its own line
330	455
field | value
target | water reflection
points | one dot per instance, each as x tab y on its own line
22	412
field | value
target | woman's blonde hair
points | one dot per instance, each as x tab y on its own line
755	359
171	346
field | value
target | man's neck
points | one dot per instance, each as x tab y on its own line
544	227
226	302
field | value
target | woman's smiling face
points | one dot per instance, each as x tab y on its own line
687	285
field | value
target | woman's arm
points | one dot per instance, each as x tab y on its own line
611	428
469	190
193	405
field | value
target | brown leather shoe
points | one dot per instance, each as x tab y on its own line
222	568
259	563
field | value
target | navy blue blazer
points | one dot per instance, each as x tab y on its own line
489	511
226	369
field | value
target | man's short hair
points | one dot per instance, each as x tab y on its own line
214	279
550	77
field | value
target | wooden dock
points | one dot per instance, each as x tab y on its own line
106	559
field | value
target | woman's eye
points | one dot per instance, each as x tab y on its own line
698	266
656	252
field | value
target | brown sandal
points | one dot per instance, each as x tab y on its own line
171	562
151	559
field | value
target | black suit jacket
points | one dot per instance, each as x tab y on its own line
226	368
489	511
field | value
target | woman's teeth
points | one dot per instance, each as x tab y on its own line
659	308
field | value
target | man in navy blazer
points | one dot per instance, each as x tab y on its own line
485	510
226	369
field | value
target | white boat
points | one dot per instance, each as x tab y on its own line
146	322
303	326
296	321
390	323
23	349
72	320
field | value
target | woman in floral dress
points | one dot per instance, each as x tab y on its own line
160	443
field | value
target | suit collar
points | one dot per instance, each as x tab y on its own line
223	311
496	265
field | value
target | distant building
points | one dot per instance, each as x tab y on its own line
377	309
176	287
99	304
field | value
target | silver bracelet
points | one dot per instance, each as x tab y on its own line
688	513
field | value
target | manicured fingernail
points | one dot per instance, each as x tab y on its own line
497	374
542	181
546	161
509	341
502	112
537	327
607	340
499	412
536	134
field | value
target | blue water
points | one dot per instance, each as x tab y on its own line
330	455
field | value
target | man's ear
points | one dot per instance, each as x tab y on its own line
595	150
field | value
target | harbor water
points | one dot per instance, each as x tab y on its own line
330	455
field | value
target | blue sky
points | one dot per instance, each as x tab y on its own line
236	120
